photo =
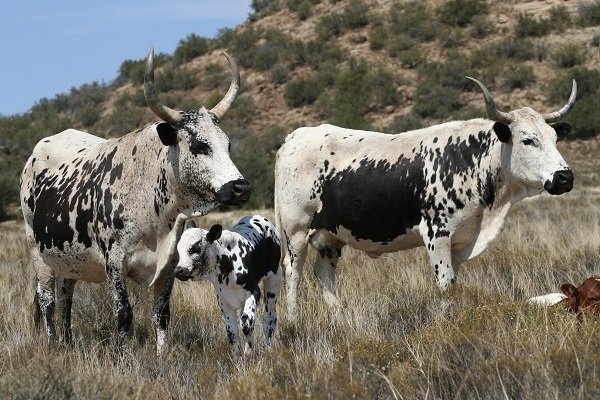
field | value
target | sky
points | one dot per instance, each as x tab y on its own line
48	47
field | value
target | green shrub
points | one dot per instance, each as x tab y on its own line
255	158
584	117
175	79
461	12
451	38
589	13
514	49
530	26
433	100
261	5
356	14
519	77
405	123
413	19
351	97
410	58
383	84
133	70
569	56
330	25
377	38
559	19
279	74
191	47
302	91
596	40
480	26
317	52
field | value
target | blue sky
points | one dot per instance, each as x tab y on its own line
47	47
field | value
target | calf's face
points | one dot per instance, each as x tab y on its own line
584	298
199	253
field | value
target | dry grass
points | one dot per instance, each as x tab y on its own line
397	336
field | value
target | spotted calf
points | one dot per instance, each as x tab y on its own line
235	262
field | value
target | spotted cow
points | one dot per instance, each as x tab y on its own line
104	210
447	187
235	262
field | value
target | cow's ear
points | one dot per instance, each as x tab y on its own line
568	290
166	133
562	129
214	233
502	131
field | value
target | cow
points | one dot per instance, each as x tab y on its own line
583	299
447	187
235	261
106	210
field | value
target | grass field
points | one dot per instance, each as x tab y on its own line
390	340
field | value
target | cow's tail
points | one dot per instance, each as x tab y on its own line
37	312
279	226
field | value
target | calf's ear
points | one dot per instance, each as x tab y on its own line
568	290
166	133
562	129
502	131
214	233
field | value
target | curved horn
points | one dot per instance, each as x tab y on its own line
165	113
555	116
220	109
493	113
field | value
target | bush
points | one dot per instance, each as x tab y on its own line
433	100
133	70
514	49
351	97
589	13
191	47
569	56
405	123
255	158
383	84
413	19
175	79
530	26
519	77
480	26
279	74
559	19
302	91
356	14
316	52
377	38
584	117
461	12
330	25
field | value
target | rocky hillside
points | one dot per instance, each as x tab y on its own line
389	65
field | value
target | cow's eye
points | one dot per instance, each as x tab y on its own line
199	147
528	142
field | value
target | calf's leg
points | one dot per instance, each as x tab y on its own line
231	324
248	317
272	285
65	288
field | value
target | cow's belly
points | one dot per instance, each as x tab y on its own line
75	263
322	238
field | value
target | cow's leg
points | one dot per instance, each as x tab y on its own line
248	317
45	297
293	262
65	288
162	313
272	285
325	264
231	324
121	306
440	258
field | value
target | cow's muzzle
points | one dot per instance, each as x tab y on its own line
234	192
562	182
183	274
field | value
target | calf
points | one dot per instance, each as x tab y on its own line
235	262
582	299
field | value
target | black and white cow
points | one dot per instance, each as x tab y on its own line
99	209
235	262
447	187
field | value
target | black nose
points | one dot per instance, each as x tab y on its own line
562	182
234	192
182	274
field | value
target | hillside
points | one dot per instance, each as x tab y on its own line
375	64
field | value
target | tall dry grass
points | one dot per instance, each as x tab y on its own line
396	336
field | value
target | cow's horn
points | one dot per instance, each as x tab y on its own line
165	113
555	116
220	109
493	113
